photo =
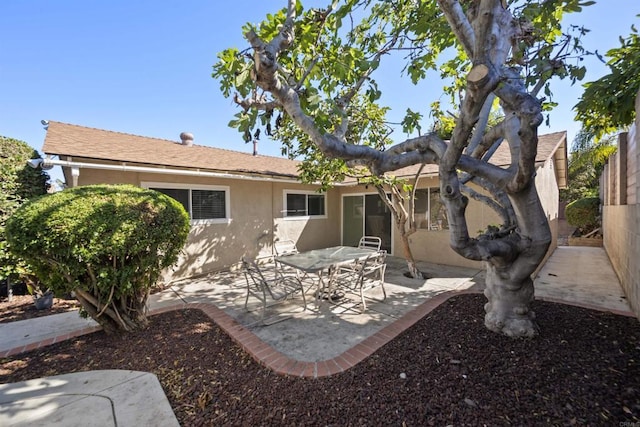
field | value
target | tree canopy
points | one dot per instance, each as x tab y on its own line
314	70
608	104
586	163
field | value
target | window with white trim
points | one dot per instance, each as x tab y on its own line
203	203
430	212
304	204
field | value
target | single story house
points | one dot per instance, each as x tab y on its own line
240	203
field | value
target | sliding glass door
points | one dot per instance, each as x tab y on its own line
365	215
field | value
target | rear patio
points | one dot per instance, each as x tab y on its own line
330	339
327	330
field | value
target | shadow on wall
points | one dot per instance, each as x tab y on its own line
214	247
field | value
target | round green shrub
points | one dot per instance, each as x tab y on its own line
106	243
584	214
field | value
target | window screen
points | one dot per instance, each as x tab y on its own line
208	204
200	204
181	195
302	204
296	204
316	204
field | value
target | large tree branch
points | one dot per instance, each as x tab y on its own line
459	24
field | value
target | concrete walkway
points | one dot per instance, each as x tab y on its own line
322	340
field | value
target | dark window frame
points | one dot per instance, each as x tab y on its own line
306	204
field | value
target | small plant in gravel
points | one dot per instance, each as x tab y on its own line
106	243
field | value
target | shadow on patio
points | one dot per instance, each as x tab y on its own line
324	330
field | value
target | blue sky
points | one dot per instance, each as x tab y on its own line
144	67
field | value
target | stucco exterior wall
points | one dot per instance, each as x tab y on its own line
256	221
549	194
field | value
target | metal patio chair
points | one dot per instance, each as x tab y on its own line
269	291
368	274
285	247
370	242
288	247
366	242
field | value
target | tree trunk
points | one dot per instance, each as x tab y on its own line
128	315
401	216
509	284
414	271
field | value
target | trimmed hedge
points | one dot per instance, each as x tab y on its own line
107	243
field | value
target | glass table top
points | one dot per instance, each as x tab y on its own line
320	259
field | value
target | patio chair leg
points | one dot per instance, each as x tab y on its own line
304	299
264	310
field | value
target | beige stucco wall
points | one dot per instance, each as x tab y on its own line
433	246
256	221
549	194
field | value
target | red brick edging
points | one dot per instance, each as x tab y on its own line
36	345
282	364
271	358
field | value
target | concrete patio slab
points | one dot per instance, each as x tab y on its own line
105	398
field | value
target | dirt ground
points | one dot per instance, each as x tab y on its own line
21	307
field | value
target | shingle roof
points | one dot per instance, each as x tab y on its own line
78	141
547	146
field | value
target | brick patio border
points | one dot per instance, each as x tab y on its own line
280	363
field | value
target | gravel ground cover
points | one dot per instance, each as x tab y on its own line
583	369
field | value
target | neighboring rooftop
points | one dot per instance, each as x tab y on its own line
548	145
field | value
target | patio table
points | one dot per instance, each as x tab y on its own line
324	260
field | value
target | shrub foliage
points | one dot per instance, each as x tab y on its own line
584	214
18	183
106	243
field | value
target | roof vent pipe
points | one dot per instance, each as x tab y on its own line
255	147
186	138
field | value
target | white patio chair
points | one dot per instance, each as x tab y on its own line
367	275
366	242
269	291
285	247
370	242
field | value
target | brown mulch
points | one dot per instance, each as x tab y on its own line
21	308
448	369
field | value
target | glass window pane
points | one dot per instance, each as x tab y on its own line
208	204
352	220
181	195
296	204
421	208
316	204
438	214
